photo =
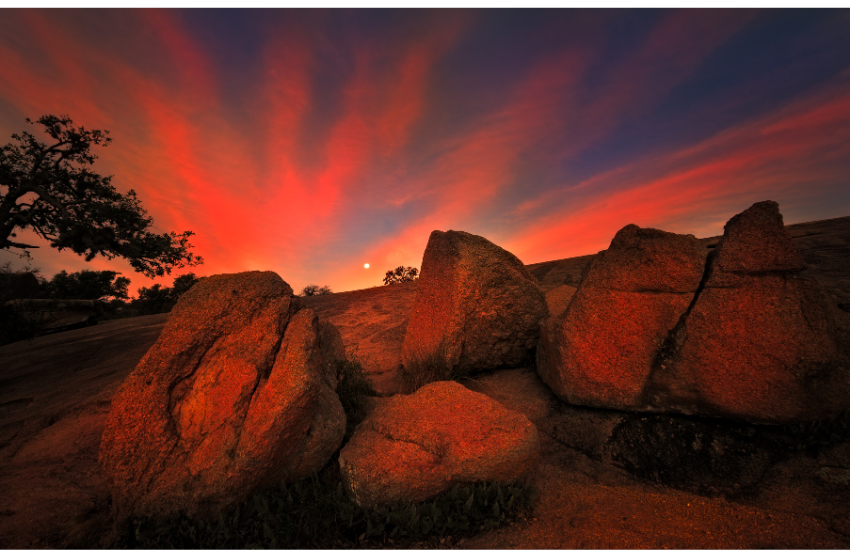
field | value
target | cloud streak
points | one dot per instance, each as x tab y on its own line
325	140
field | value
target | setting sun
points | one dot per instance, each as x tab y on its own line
366	266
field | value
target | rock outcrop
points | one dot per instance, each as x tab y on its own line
759	343
238	392
753	341
413	447
559	298
601	351
477	308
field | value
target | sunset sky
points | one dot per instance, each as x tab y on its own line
311	142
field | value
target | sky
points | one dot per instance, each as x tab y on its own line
312	142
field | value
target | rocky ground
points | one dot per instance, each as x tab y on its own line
606	479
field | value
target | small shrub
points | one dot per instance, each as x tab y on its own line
401	275
317	513
817	434
352	385
315	290
423	369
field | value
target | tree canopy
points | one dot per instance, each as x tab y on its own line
401	275
87	285
49	189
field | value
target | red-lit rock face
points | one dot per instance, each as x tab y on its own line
416	446
477	308
600	351
757	342
224	401
559	298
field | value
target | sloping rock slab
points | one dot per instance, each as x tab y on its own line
372	323
417	446
477	308
234	394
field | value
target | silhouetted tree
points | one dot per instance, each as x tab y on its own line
315	290
50	190
87	285
182	284
156	299
401	275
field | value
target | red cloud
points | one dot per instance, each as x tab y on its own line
782	157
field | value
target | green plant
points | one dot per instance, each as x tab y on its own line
317	513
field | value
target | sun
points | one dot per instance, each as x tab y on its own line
366	266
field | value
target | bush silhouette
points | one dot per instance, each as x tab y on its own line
401	275
315	290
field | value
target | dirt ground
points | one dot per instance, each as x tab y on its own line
55	394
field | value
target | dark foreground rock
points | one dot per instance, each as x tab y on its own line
477	308
236	393
414	447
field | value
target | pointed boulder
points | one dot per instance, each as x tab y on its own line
477	308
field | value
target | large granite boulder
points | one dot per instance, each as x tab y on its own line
559	298
747	337
413	447
600	351
237	392
477	308
759	343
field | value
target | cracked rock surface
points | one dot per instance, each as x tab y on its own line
659	325
413	447
238	390
760	341
600	351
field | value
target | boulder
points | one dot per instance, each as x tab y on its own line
759	343
236	393
413	447
601	350
559	298
477	308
